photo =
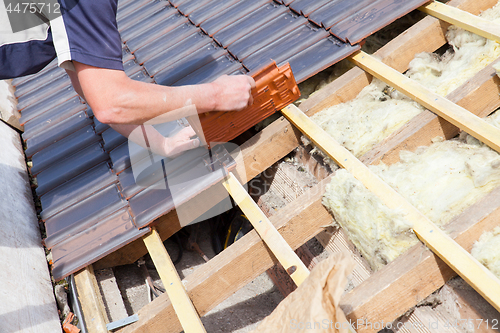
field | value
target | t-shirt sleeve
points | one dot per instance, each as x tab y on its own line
87	32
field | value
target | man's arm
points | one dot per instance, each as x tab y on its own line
156	142
116	99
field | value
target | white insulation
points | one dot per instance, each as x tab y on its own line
487	250
441	180
379	110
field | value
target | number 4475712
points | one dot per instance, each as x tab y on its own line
31	7
493	324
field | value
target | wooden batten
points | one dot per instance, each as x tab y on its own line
479	95
463	20
273	239
453	113
184	309
90	299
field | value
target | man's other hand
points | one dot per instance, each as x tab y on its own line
233	93
175	145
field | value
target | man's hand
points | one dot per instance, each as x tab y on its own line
233	93
180	142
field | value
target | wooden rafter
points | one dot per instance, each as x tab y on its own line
186	313
463	19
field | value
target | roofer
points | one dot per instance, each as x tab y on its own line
84	37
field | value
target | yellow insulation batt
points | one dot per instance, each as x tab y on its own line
363	122
379	110
441	181
487	250
469	54
379	233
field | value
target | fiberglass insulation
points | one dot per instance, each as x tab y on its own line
379	110
441	180
487	250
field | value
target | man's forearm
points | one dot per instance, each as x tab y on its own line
116	99
146	136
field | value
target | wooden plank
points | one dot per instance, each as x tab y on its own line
462	19
276	243
480	278
186	313
280	138
418	272
91	301
448	110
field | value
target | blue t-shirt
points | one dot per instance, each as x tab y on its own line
85	31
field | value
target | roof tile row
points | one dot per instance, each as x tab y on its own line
265	34
51	117
306	7
209	10
94	243
83	214
87	183
57	132
38	82
70	167
154	31
175	71
62	148
157	18
236	29
142	13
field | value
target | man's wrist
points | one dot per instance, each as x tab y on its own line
214	93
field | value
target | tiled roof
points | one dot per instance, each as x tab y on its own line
90	200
